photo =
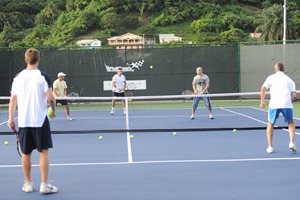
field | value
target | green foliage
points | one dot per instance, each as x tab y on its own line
233	35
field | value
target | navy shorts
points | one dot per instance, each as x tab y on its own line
62	102
35	138
122	94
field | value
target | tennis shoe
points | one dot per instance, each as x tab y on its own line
292	147
47	188
112	111
28	187
192	116
211	116
69	118
270	150
124	111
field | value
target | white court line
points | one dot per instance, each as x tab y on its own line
160	162
256	119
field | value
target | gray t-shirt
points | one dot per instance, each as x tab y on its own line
201	82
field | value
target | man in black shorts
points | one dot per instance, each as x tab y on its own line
60	90
118	85
30	91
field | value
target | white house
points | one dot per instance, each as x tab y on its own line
89	43
166	38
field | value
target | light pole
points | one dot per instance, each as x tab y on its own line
284	22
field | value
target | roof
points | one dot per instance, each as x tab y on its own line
86	41
126	36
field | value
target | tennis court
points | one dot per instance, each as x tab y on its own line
205	160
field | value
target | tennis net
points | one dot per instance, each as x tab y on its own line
159	113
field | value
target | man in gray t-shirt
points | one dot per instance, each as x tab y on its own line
200	86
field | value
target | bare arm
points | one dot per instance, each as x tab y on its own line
11	112
205	89
194	89
294	96
262	97
51	100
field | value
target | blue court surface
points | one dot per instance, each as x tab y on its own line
157	165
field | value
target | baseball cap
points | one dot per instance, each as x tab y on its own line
61	74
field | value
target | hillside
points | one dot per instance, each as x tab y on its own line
62	22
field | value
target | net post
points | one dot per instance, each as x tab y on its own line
128	133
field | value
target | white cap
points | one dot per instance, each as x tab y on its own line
61	74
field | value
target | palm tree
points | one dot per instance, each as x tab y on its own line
271	23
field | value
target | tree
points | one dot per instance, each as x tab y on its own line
271	23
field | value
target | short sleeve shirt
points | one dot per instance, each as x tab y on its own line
60	87
120	82
281	87
30	87
200	82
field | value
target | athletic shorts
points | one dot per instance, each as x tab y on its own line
62	102
122	94
274	113
35	138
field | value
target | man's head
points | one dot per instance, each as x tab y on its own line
61	75
120	71
199	70
279	67
32	56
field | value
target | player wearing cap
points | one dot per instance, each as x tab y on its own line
200	86
60	90
283	92
118	87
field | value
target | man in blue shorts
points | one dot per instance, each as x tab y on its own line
30	91
118	86
283	92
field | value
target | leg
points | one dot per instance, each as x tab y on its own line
26	163
291	126
270	129
208	106
67	108
44	165
195	105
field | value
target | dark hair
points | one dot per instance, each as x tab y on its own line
280	66
120	68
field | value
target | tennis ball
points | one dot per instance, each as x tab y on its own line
131	136
50	112
6	142
100	137
174	133
234	130
151	67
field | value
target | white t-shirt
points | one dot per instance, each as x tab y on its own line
200	82
281	87
30	87
120	83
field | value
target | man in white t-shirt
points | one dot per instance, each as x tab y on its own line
60	90
30	91
283	92
118	88
200	85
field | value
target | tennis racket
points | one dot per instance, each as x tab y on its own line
187	92
18	142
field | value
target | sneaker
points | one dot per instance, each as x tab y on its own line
270	150
47	188
28	187
292	147
124	112
112	111
211	116
192	116
69	118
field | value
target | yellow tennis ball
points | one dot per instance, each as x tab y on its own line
50	112
234	130
100	137
174	133
151	67
131	136
6	142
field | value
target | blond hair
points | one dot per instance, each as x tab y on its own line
32	56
